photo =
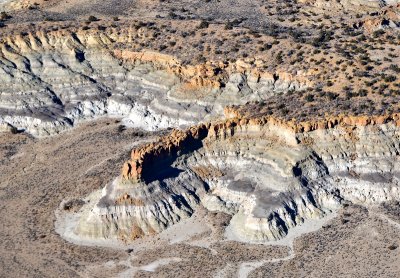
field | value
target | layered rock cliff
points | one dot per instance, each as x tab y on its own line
52	79
270	175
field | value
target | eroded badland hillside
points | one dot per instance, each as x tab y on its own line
209	138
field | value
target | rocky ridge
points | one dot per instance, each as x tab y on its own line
287	157
52	80
178	140
268	174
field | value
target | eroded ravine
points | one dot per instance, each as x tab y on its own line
51	80
268	175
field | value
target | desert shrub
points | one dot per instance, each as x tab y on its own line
203	25
279	57
394	68
73	205
49	19
390	78
323	37
349	94
14	130
228	26
92	18
344	221
378	33
309	98
362	92
121	128
4	16
331	96
392	247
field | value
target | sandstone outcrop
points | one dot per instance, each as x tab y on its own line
270	175
305	126
52	80
143	160
180	140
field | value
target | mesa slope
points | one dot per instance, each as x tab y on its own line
199	138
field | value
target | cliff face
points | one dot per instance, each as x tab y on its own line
268	172
51	80
190	140
215	74
270	175
242	113
145	160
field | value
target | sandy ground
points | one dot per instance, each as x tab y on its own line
37	175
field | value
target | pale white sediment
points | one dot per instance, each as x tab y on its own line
2	2
49	82
151	267
66	223
268	183
308	226
275	188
